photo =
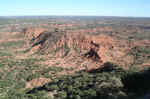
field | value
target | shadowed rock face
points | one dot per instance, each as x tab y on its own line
92	53
41	38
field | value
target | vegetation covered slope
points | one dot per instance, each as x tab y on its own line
68	65
110	82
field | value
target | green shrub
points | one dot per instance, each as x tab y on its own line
84	86
140	53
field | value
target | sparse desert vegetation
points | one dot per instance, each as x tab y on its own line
53	57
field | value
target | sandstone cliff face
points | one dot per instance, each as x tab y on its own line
100	48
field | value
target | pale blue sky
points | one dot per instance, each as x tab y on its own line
139	8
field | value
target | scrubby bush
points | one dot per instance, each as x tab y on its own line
141	54
137	81
109	82
84	85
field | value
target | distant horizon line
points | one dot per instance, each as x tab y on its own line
73	16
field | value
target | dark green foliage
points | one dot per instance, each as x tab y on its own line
84	86
110	82
14	74
137	81
32	76
141	54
